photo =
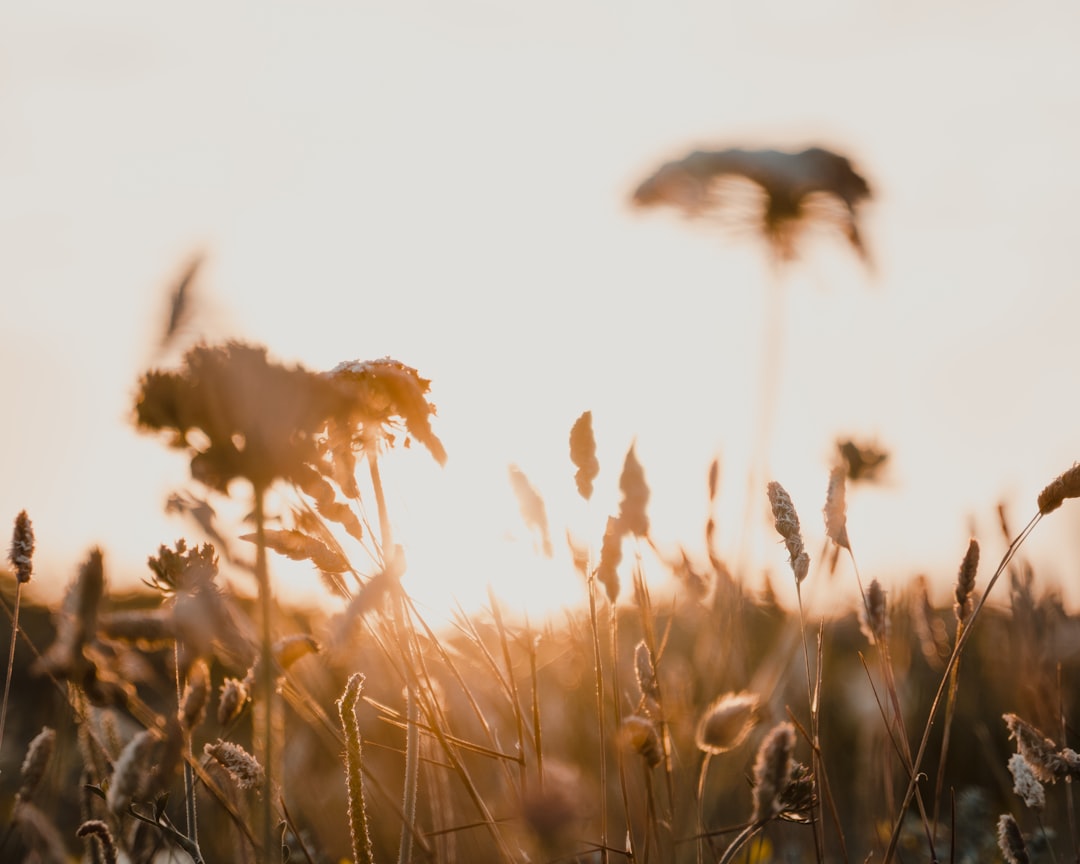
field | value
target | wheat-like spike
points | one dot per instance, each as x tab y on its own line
21	554
1066	485
772	770
786	521
358	826
100	833
965	582
583	454
874	614
38	754
836	507
635	496
244	768
196	694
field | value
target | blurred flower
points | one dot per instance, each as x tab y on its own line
798	188
863	461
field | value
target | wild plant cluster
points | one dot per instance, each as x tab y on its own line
675	716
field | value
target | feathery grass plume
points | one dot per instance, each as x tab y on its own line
640	735
36	763
1047	762
787	526
836	508
300	547
773	770
726	722
132	771
1025	784
1011	841
196	694
231	701
874	614
635	496
714	478
354	776
1066	485
610	557
244	768
21	553
383	395
531	506
583	454
645	672
814	184
96	831
965	582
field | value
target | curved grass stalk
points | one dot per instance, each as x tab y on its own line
954	658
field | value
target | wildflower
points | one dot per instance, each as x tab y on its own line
726	722
797	188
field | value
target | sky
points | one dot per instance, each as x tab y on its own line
449	184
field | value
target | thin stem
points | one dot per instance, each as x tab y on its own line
600	720
189	777
953	660
812	699
266	655
702	836
11	660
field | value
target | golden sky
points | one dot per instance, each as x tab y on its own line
448	183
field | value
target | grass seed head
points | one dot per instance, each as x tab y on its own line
786	521
234	695
610	557
773	771
99	831
1066	485
965	582
1011	841
726	722
132	772
639	734
1046	763
36	763
645	671
1025	783
836	508
874	614
21	553
196	695
635	496
583	454
244	768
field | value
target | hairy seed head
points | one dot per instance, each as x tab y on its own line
874	614
131	774
1011	841
97	829
639	733
965	582
787	526
772	770
38	754
234	696
21	554
836	507
1066	485
726	722
1025	784
583	454
1041	754
645	671
244	768
196	695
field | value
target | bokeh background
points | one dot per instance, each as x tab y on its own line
449	184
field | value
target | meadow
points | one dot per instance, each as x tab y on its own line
676	715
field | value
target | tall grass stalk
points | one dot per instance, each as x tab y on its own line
954	658
266	663
600	718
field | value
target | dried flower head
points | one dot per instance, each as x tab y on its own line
1066	485
238	414
727	721
1047	763
798	799
1025	783
244	768
639	734
1011	841
836	508
583	454
132	772
811	185
531	506
965	582
635	496
382	396
36	763
21	554
787	526
874	614
773	771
